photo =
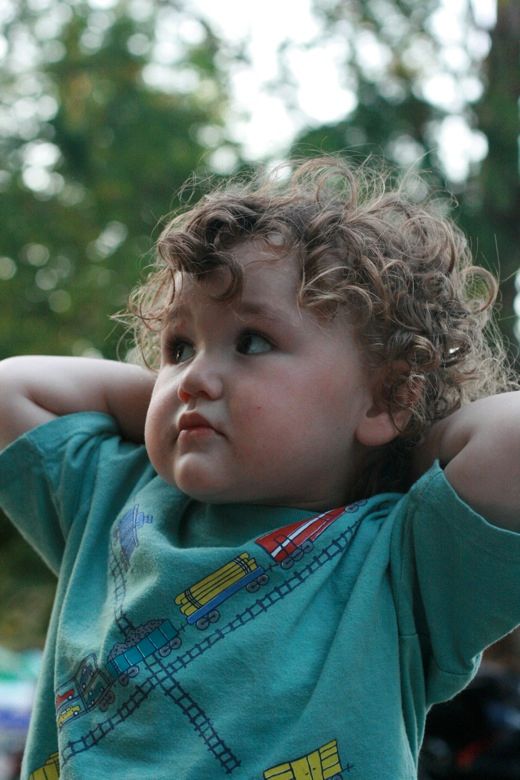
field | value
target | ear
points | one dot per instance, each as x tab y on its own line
379	426
394	396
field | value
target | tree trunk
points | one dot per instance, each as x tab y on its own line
497	115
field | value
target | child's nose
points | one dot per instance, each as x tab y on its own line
202	379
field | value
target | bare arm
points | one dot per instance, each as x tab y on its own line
36	389
479	448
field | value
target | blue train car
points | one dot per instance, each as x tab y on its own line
155	637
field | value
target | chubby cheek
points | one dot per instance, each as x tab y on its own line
155	432
269	422
150	438
292	417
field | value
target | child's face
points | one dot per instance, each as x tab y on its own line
256	399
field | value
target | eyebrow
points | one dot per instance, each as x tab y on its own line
176	312
262	310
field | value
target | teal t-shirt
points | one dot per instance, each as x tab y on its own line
194	641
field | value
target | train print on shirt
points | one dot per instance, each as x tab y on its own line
155	653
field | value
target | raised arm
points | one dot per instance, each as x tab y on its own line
35	389
479	448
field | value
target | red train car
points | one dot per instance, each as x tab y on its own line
287	545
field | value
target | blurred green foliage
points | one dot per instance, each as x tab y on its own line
83	193
104	114
397	118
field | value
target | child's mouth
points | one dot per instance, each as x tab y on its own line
193	426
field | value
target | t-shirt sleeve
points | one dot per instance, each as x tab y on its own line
457	581
49	475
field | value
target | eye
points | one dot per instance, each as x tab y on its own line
253	344
178	351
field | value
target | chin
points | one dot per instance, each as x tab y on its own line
200	490
207	496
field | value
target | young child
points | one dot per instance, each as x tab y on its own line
319	536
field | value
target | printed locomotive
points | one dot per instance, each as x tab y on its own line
91	686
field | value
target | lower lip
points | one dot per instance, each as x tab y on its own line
200	432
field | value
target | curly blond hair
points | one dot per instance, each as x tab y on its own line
420	307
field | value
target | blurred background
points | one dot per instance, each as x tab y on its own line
108	106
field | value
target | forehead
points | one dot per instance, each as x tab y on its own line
270	272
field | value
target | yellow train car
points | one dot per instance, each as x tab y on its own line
198	603
321	764
67	714
49	771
